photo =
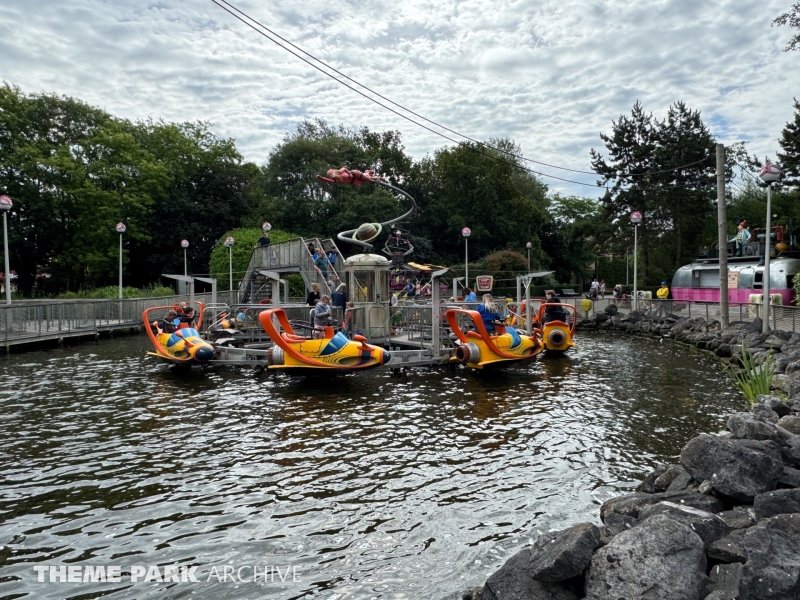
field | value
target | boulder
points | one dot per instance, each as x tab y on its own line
658	559
748	426
739	517
739	470
729	549
764	413
616	523
681	482
790	423
774	403
725	580
790	478
513	581
648	483
663	481
629	505
772	569
562	555
708	526
779	502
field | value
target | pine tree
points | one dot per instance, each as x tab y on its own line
789	159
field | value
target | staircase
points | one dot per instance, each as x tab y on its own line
287	257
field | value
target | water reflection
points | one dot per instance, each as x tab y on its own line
379	485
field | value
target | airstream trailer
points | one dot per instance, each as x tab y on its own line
699	281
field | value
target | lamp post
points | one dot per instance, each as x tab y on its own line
5	206
528	246
636	218
120	230
769	173
465	232
229	241
627	263
185	245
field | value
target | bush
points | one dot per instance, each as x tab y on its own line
155	290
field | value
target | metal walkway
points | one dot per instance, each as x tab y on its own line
288	257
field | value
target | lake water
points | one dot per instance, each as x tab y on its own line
380	485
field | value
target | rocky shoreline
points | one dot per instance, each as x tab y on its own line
723	523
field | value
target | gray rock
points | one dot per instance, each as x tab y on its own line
723	350
729	549
473	594
718	595
779	502
725	580
705	487
739	517
513	581
708	526
663	481
748	426
772	569
658	559
562	555
648	483
790	423
790	478
630	504
765	413
681	482
616	523
775	404
736	469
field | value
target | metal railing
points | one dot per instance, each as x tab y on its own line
42	320
783	317
291	255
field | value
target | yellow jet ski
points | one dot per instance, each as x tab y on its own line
479	349
329	352
176	341
556	333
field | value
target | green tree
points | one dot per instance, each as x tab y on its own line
73	172
466	186
792	19
573	235
789	159
665	170
208	190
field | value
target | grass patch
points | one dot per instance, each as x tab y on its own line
752	380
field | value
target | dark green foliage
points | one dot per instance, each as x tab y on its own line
789	159
792	19
644	156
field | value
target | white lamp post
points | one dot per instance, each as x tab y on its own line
465	232
229	241
768	174
636	218
120	230
528	246
266	226
185	245
5	206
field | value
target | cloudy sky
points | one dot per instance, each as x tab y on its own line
550	74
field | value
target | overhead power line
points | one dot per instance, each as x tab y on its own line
264	31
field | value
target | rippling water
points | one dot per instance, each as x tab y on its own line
373	486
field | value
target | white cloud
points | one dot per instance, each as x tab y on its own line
469	65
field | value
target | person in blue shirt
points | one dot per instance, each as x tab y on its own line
488	312
410	289
469	295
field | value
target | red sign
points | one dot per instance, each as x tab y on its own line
483	283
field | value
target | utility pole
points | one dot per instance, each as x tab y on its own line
722	233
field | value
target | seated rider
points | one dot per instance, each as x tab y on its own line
553	313
188	317
167	324
488	312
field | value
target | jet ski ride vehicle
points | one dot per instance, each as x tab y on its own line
322	351
479	349
174	338
555	327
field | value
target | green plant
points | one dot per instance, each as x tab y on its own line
752	380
